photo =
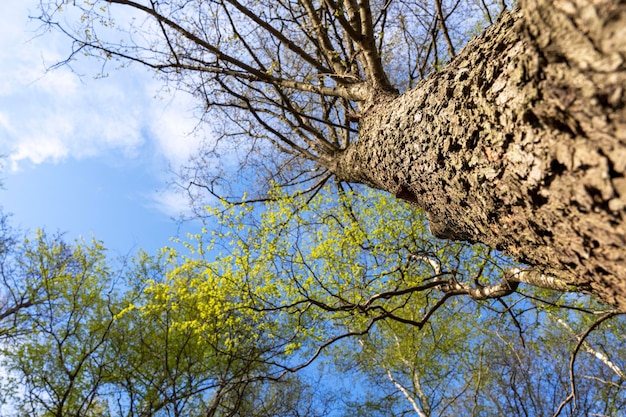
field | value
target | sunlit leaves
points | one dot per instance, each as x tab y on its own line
325	266
351	279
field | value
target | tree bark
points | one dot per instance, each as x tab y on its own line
518	143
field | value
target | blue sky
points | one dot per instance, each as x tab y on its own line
86	156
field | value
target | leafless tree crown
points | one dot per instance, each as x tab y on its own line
294	73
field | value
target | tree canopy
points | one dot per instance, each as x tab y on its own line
278	307
514	140
293	74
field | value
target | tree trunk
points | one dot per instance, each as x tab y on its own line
519	143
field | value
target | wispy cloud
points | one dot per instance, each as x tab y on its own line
171	202
49	117
173	128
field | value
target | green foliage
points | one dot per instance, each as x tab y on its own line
187	343
173	335
224	323
59	341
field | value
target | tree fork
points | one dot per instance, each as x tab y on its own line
518	143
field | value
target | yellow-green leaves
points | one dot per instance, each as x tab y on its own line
219	321
302	272
61	330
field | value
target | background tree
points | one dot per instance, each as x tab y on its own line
9	303
88	342
56	343
190	345
517	142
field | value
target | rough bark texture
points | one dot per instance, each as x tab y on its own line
519	143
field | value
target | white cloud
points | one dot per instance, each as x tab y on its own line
172	202
47	122
173	128
49	117
38	150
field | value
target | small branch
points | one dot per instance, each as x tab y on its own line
330	342
602	381
247	71
599	355
417	288
325	44
345	25
373	64
279	36
581	340
406	394
444	28
11	311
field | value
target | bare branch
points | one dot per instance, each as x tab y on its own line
599	355
444	28
572	375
